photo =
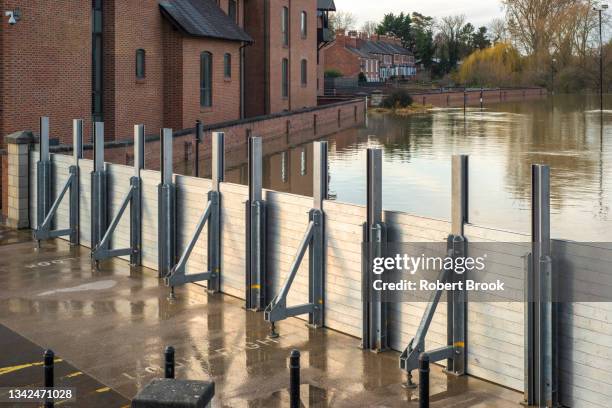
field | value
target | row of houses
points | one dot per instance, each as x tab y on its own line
377	57
163	63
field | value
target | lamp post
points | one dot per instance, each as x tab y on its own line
600	9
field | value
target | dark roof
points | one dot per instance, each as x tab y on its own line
202	18
359	52
383	47
326	5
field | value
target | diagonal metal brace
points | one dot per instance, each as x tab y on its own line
454	352
178	275
277	310
103	250
45	231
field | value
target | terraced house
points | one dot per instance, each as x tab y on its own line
377	57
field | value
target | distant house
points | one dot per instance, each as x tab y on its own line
377	57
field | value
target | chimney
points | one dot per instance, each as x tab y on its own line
341	38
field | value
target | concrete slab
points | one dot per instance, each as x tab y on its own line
113	324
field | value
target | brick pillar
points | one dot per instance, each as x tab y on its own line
18	146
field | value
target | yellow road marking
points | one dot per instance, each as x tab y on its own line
103	389
7	370
75	374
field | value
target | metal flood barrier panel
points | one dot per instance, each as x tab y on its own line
495	330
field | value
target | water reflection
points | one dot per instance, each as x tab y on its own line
566	132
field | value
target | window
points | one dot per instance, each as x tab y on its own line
227	65
206	79
232	10
304	71
285	78
140	63
304	24
285	25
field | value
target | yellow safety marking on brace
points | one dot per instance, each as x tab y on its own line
320	301
459	344
75	374
103	389
255	286
7	370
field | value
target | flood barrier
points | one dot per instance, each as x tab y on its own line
571	342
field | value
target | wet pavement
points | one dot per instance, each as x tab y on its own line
113	324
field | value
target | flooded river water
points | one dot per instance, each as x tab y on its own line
567	132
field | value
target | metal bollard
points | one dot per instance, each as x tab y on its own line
169	362
294	379
48	367
424	380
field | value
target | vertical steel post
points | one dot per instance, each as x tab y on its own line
214	223
199	137
316	257
98	188
43	173
136	201
166	208
541	354
456	299
375	310
77	153
256	230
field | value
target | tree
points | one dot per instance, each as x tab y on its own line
493	66
342	21
369	27
400	26
422	31
498	30
480	39
453	40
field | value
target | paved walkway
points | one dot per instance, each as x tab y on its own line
113	325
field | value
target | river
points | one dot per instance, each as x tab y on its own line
567	132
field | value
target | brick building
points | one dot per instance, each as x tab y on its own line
164	63
378	57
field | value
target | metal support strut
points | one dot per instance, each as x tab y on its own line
133	198
256	283
313	241
99	201
541	312
212	217
454	351
375	336
45	210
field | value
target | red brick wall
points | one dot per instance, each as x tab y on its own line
225	92
339	58
45	66
454	99
298	48
4	182
136	24
173	77
255	62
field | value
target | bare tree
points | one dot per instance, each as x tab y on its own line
369	27
499	32
342	20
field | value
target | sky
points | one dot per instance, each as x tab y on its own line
477	12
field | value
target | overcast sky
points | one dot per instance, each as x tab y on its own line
478	12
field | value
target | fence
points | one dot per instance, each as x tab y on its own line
495	348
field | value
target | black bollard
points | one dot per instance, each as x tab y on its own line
424	380
169	362
49	356
294	379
